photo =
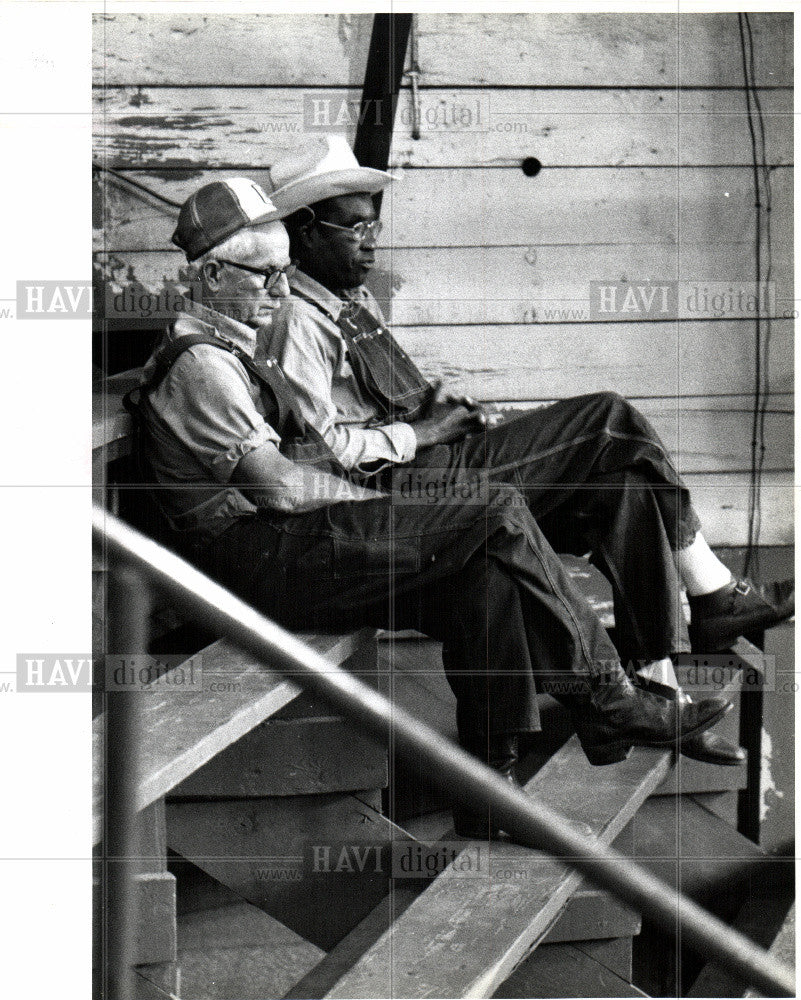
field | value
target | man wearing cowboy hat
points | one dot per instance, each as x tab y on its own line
592	470
257	499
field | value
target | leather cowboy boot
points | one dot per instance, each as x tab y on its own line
498	751
708	747
617	716
717	619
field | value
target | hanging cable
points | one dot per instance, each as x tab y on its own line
135	184
762	329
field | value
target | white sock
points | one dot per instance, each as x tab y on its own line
660	671
700	569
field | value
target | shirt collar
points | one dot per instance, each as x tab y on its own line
194	317
331	303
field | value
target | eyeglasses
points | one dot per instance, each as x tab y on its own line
271	275
358	232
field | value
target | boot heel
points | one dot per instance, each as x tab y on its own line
612	753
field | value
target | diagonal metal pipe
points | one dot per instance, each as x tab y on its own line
472	782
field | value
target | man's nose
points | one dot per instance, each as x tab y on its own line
370	240
280	290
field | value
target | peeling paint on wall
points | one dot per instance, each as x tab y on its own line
769	793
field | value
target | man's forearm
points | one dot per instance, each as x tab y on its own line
272	481
303	489
310	492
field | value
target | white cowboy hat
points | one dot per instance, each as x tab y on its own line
324	168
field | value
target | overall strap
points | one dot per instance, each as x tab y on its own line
166	358
299	440
169	354
384	371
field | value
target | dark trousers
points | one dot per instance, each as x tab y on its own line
597	479
480	577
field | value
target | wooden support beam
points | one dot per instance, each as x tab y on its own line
317	863
565	970
382	81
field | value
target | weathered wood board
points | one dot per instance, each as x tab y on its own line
643	206
528	283
634	359
532	49
615	50
248	128
186	728
305	50
315	755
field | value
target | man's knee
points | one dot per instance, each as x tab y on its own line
611	402
616	412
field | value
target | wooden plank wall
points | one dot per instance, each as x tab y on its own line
639	124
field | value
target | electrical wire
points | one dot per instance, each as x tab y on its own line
135	184
762	324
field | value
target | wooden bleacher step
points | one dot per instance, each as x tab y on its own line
301	750
591	915
238	952
186	728
477	929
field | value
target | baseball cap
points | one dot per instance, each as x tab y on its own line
218	210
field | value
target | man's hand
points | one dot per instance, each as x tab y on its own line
450	424
442	405
485	416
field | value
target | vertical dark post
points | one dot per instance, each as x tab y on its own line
750	798
129	609
382	79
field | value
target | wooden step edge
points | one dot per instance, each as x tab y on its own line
158	777
319	980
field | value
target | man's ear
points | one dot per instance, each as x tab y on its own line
210	274
307	236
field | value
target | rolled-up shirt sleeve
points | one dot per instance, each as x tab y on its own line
307	353
206	402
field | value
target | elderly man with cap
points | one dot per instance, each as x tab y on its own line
255	497
592	470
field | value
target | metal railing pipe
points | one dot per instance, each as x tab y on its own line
473	782
128	612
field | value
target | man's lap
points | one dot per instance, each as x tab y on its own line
353	554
